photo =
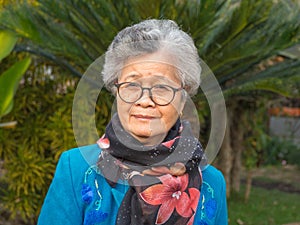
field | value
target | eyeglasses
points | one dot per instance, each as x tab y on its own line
160	94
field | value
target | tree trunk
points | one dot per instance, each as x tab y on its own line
230	157
236	169
225	156
248	184
237	137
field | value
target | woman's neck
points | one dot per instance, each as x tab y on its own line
150	141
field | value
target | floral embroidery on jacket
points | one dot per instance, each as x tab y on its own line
92	196
208	205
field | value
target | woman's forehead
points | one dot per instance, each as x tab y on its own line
152	79
155	70
168	76
160	57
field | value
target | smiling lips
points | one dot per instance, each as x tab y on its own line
144	117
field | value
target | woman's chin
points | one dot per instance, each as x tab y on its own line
148	137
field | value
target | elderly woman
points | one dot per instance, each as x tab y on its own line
147	164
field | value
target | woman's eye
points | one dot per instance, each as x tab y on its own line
161	87
132	85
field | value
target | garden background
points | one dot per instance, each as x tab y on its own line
252	46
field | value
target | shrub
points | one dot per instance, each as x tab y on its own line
279	151
43	110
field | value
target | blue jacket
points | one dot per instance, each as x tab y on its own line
79	195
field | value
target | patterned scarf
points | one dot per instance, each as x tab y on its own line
164	180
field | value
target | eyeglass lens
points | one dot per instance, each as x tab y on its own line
159	94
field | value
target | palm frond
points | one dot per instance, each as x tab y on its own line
232	35
286	82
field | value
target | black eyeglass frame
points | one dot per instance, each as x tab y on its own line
118	85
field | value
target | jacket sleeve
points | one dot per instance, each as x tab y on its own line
222	214
60	206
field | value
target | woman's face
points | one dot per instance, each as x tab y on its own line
143	119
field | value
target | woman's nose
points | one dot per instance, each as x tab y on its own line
145	100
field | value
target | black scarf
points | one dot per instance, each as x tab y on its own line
171	193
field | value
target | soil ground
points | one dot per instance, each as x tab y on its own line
284	178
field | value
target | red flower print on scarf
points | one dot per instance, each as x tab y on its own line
171	195
103	142
169	144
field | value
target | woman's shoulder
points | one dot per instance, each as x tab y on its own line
92	149
212	208
77	160
212	174
66	187
213	181
84	154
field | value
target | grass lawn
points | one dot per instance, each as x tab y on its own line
265	207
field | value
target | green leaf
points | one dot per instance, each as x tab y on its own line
282	86
9	81
7	43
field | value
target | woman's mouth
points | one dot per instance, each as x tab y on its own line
143	117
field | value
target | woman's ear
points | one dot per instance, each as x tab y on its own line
184	96
114	91
183	100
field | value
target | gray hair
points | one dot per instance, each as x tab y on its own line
151	36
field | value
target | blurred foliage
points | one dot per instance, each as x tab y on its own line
7	43
293	154
9	81
10	78
231	36
256	136
31	150
260	147
27	150
281	151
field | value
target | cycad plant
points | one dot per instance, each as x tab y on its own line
232	36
